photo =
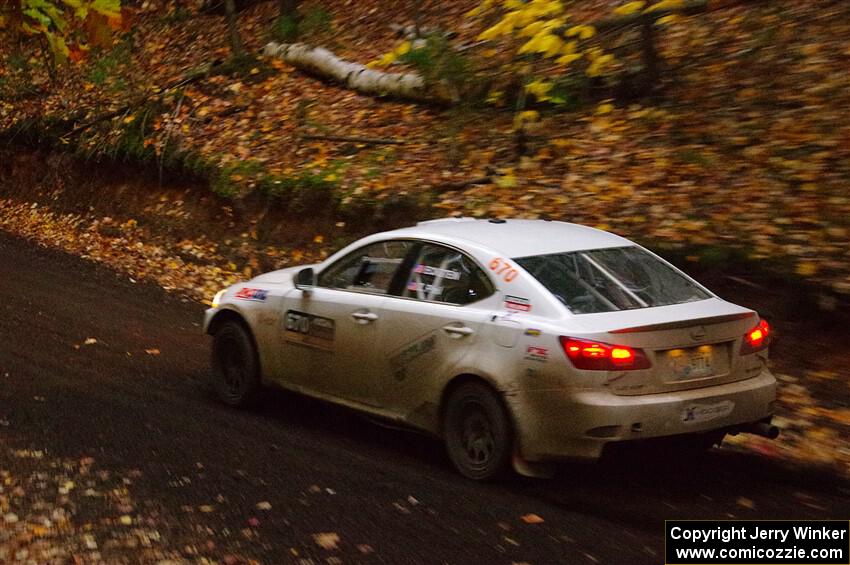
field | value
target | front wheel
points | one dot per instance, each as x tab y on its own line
477	431
236	367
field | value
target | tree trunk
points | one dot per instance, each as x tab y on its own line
651	63
323	63
236	47
12	10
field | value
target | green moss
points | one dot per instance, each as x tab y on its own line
107	65
290	28
285	29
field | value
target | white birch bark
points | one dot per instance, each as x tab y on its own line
324	63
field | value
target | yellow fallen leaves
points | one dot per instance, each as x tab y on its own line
127	251
812	434
806	268
327	540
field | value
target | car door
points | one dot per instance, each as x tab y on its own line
329	332
430	326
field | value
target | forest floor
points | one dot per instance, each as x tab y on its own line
745	150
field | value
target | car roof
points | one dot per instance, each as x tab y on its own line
514	238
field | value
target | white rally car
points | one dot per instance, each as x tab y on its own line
516	341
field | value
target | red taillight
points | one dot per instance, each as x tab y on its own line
598	356
756	339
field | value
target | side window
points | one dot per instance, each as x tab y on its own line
440	274
369	269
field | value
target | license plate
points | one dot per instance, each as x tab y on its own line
692	363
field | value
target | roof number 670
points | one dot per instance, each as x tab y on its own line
503	269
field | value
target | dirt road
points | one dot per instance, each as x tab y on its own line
105	417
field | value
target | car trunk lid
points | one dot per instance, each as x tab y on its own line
690	345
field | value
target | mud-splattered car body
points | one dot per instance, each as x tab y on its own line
581	337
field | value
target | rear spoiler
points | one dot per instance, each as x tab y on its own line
685	323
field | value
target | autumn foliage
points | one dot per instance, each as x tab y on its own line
69	28
739	147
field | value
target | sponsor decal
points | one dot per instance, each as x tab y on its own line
307	329
430	289
437	272
536	353
517	303
410	353
533	332
253	294
697	413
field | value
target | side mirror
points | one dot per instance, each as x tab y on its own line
305	279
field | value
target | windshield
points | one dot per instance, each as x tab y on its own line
607	280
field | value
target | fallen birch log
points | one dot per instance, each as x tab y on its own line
323	63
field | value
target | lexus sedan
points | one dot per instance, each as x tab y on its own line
518	342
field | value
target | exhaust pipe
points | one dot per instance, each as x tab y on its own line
763	429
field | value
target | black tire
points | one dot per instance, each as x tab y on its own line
477	432
236	366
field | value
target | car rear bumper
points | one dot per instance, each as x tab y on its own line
559	424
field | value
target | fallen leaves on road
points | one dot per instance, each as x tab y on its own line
532	519
327	540
815	425
39	502
126	251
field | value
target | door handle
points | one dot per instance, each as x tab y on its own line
460	331
364	317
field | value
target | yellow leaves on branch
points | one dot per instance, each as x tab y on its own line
599	61
523	118
582	31
665	5
668	19
539	89
569	54
606	107
544	42
544	24
629	8
534	15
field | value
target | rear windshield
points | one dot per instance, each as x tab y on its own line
607	280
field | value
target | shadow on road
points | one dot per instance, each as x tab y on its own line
639	484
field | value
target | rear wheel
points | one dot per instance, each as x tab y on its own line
477	431
236	367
